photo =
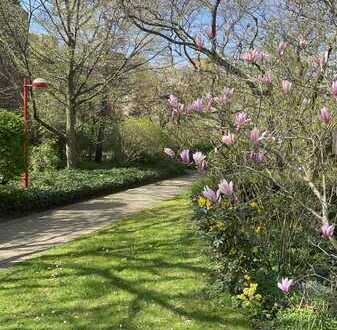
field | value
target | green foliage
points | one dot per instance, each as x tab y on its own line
52	188
44	157
261	239
191	133
315	317
141	140
11	145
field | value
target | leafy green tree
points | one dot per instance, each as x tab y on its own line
80	47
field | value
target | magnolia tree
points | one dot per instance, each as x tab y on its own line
275	118
282	129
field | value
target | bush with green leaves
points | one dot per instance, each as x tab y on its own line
53	188
314	317
44	157
256	239
11	145
141	140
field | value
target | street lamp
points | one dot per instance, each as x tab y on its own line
37	84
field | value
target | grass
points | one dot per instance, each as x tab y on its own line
146	272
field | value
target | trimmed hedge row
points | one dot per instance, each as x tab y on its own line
56	188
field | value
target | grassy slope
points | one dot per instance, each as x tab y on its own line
147	272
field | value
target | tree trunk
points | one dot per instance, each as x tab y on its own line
71	151
100	130
99	143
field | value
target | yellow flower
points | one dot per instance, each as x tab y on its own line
253	286
253	205
258	229
202	201
249	293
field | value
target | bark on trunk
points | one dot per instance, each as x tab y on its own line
71	152
100	129
99	144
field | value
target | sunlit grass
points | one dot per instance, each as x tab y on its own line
147	272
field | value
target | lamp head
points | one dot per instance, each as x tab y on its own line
39	84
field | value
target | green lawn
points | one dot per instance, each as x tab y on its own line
147	272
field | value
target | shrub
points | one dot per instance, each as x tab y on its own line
53	188
44	157
141	140
192	133
259	238
11	144
314	317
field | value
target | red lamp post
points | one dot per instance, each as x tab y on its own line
37	84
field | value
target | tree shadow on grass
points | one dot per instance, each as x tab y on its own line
146	273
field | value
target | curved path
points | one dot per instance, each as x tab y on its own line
20	239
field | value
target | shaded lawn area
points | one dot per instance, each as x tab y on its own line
146	272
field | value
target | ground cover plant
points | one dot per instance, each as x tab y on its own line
59	187
146	272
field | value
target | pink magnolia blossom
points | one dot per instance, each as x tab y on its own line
173	101
199	160
327	231
286	87
334	89
266	79
281	48
203	166
241	118
177	111
228	139
257	157
197	105
254	56
226	188
211	195
226	97
255	136
185	156
169	152
325	116
199	42
285	285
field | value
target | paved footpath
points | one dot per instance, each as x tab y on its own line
20	239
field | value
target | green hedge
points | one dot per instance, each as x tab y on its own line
11	144
51	189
